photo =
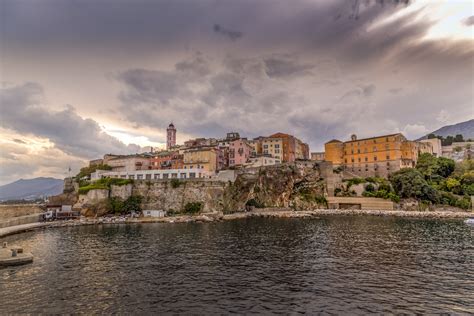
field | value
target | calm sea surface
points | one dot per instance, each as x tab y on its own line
342	265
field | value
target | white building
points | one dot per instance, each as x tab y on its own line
261	161
435	144
152	174
154	213
129	163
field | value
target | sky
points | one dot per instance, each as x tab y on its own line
79	79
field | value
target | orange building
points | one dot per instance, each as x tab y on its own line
167	160
292	147
375	156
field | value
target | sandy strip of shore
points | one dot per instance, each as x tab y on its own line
276	213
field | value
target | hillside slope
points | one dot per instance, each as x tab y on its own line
466	129
30	189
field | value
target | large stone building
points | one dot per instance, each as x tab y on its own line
317	156
201	158
167	160
435	145
281	146
375	156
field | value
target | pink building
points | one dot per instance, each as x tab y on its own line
239	152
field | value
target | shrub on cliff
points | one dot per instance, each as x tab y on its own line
255	203
175	183
116	205
104	183
87	171
193	207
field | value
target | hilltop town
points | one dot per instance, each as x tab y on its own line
377	156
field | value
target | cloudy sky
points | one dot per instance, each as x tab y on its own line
83	78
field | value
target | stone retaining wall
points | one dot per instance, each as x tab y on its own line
15	210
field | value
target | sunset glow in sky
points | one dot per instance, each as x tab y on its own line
83	78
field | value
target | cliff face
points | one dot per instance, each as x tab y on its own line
289	185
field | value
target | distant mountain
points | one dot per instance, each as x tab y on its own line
30	189
466	129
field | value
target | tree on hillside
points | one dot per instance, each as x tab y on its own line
432	168
410	183
458	138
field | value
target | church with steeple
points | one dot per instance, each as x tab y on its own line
170	136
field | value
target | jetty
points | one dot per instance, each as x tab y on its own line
14	255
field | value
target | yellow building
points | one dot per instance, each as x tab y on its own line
204	158
273	147
375	156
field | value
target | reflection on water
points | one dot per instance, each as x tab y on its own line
334	264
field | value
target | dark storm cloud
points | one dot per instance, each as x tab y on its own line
21	111
320	69
232	35
469	21
142	26
19	141
281	67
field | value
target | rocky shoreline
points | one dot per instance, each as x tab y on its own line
214	217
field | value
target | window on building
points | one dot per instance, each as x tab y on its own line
174	175
352	151
375	158
277	145
386	139
375	148
388	163
352	159
165	176
131	176
358	151
182	175
265	146
157	176
277	151
359	159
388	157
366	159
375	141
345	160
148	176
192	175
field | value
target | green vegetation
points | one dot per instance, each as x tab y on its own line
117	205
193	207
87	171
436	181
380	188
448	140
176	183
255	203
355	181
104	183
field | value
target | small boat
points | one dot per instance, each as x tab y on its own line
469	221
